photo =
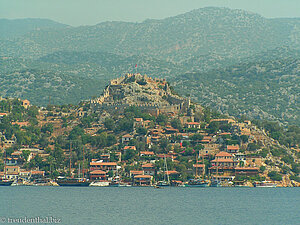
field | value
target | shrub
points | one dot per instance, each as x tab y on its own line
274	176
262	168
287	159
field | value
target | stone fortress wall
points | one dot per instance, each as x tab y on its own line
107	102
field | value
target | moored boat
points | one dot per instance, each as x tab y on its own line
74	182
264	184
197	183
99	184
4	182
215	183
166	181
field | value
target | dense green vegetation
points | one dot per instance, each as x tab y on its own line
231	60
263	90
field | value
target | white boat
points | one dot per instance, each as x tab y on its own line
125	185
264	184
99	184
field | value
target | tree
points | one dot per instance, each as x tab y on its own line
25	154
162	119
262	168
77	131
141	131
164	143
274	176
109	123
47	128
176	123
252	147
244	138
197	137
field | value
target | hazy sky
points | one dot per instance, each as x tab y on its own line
89	12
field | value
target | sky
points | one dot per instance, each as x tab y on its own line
90	12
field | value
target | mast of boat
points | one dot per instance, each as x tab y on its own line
217	168
166	170
78	170
4	163
83	161
70	159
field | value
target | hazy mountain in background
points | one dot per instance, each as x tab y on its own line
235	61
265	88
16	27
208	31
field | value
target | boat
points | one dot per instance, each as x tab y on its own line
70	181
125	185
99	184
5	182
264	184
166	181
215	183
197	183
74	182
115	182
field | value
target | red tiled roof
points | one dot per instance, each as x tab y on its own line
127	135
97	172
21	124
147	153
16	153
103	164
130	147
223	154
233	147
12	167
12	173
38	172
171	172
148	165
246	168
225	133
171	129
137	172
138	119
193	123
143	176
222	160
164	155
199	165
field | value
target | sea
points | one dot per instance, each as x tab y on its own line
147	205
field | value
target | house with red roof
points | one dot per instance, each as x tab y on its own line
12	172
126	148
223	162
126	138
149	169
246	171
147	153
133	173
142	180
198	169
97	175
194	125
138	122
233	149
105	166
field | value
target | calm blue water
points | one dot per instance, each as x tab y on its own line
133	205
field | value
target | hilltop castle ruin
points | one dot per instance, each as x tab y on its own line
151	95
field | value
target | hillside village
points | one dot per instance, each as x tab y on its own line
138	131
